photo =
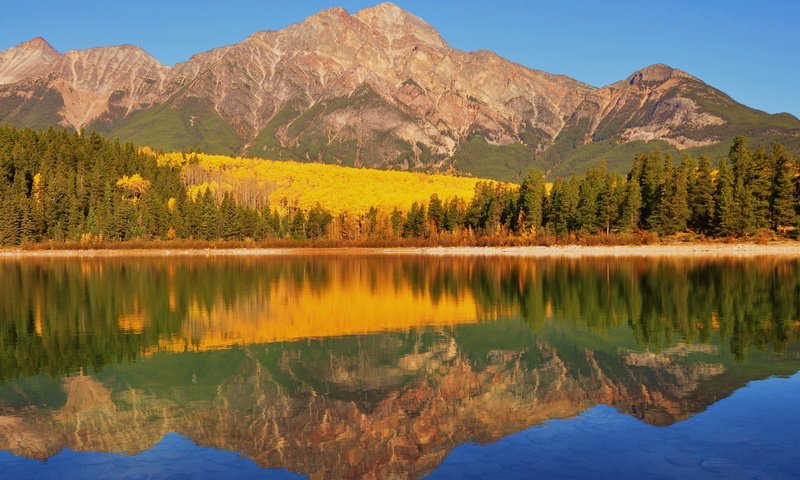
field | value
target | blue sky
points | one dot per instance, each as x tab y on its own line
749	49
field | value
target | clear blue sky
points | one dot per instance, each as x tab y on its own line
749	49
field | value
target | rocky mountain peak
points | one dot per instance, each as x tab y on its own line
333	12
395	22
658	72
127	51
39	43
27	59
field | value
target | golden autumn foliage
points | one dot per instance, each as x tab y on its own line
134	185
287	184
146	150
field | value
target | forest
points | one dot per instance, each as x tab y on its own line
59	187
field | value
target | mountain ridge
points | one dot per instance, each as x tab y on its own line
379	87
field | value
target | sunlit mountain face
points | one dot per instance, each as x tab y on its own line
377	88
373	366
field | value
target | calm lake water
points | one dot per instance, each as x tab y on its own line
399	367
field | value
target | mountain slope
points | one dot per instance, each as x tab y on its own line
376	88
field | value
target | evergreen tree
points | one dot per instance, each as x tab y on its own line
649	167
230	218
436	212
701	198
741	161
453	215
28	231
397	221
761	189
208	226
9	220
75	218
593	201
783	203
297	228
555	217
563	216
631	205
318	221
726	211
674	201
414	225
608	202
530	202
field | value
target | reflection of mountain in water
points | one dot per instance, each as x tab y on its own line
658	340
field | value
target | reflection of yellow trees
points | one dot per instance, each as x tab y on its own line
291	184
356	301
134	322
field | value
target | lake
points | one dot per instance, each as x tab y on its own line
399	367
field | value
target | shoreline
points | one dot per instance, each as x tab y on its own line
738	250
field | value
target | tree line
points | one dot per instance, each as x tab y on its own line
64	186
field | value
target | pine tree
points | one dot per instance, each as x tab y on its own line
453	215
783	204
674	201
587	205
436	213
318	221
650	169
208	216
530	202
415	222
297	228
9	220
741	160
397	220
701	198
563	216
75	218
726	211
230	219
631	205
28	231
761	188
555	217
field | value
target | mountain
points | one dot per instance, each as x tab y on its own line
377	88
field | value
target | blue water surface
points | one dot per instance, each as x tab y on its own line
754	433
174	457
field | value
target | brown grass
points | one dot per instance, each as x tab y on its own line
442	240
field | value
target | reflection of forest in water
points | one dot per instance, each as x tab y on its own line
354	366
60	315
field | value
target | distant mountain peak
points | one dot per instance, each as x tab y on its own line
332	12
38	43
386	11
28	59
658	72
394	21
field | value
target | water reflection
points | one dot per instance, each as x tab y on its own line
378	366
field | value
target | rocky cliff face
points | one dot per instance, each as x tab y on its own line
376	88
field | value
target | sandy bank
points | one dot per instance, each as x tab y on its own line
784	249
